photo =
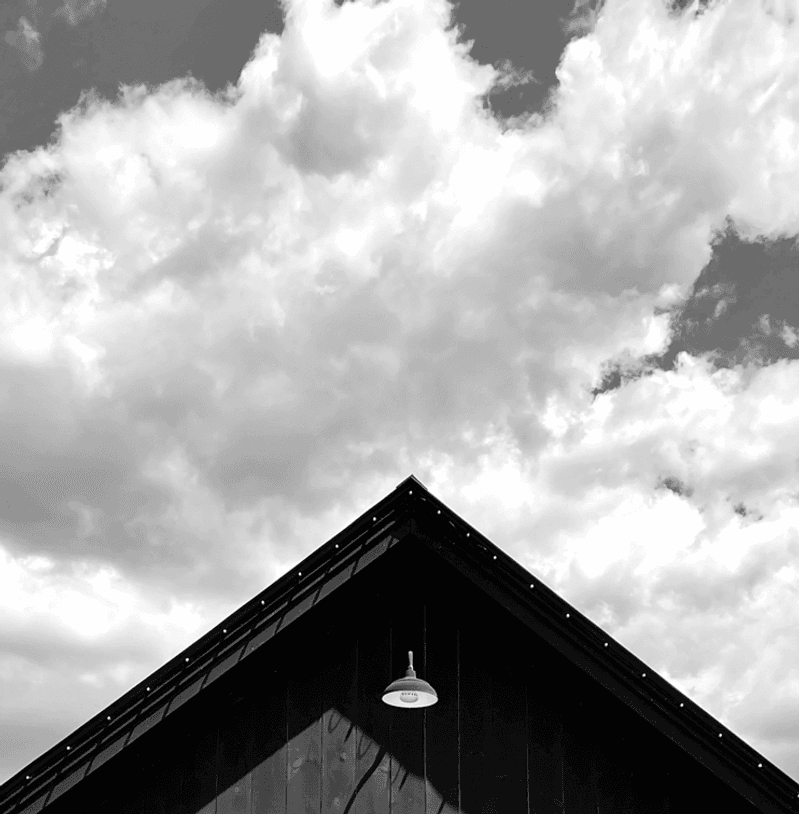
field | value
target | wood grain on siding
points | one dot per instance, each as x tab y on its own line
268	761
372	761
339	710
475	721
507	765
441	720
304	752
236	736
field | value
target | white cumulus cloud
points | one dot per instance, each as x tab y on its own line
232	322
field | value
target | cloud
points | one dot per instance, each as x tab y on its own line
27	41
583	17
73	11
697	577
231	322
27	38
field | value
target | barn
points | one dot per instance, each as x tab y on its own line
279	709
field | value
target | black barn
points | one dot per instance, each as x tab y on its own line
278	709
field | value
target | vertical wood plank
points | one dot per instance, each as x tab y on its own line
198	795
441	720
494	732
136	803
339	704
647	792
545	729
648	777
157	778
140	792
578	780
508	762
372	758
475	723
236	733
613	772
633	765
162	794
407	725
268	758
304	717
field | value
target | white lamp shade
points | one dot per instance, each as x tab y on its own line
409	692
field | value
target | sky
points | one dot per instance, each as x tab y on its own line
260	263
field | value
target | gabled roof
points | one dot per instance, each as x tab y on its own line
410	510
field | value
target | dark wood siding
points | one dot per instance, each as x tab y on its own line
406	739
299	727
372	758
339	702
268	756
304	717
442	730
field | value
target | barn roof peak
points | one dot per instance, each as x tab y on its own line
409	511
410	481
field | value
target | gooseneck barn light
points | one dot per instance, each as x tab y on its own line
410	691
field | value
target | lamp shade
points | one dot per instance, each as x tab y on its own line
410	691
